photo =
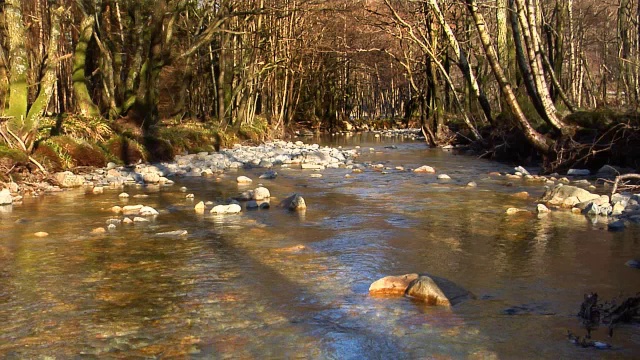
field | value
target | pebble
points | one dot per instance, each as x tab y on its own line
111	227
190	196
243	180
123	195
41	234
127	221
444	177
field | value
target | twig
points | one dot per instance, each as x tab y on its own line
622	178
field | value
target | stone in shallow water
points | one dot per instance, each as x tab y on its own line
176	233
243	180
437	291
41	234
542	209
617	225
226	209
633	263
294	202
261	193
392	285
199	208
425	169
444	177
513	211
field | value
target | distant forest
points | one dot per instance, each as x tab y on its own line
490	72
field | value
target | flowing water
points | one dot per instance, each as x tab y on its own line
276	284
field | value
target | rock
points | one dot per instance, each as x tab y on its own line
132	209
252	204
425	169
392	285
542	209
521	195
148	211
578	172
294	202
127	221
99	230
151	178
176	233
617	225
564	180
592	209
41	234
123	195
261	193
320	175
560	193
472	184
113	221
183	189
226	209
607	171
521	170
495	173
444	177
576	211
269	175
200	207
617	209
265	205
67	179
633	263
97	190
437	291
243	180
513	177
513	211
111	227
139	220
5	197
190	196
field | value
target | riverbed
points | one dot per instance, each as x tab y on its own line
271	283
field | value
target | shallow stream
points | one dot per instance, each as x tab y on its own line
276	284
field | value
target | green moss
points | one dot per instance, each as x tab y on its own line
127	150
13	155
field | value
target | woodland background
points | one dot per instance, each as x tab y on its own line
83	82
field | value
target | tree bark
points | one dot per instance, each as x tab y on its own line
536	139
19	65
84	103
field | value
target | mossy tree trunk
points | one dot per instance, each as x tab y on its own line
84	103
25	119
18	66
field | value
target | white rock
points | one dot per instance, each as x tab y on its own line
244	180
472	184
5	197
444	177
541	209
176	233
148	211
151	178
190	196
138	219
97	190
123	195
425	169
127	221
111	227
226	209
200	207
261	193
132	209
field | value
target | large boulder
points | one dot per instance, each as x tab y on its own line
67	179
392	285
430	289
294	202
437	291
5	197
567	196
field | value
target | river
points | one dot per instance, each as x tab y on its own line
276	284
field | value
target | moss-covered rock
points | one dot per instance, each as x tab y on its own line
127	150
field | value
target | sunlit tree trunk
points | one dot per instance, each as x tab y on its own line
534	137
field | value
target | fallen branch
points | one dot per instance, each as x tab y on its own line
624	177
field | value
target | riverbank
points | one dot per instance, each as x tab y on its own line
271	156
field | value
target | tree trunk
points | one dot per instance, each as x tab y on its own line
84	103
535	138
19	65
463	63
